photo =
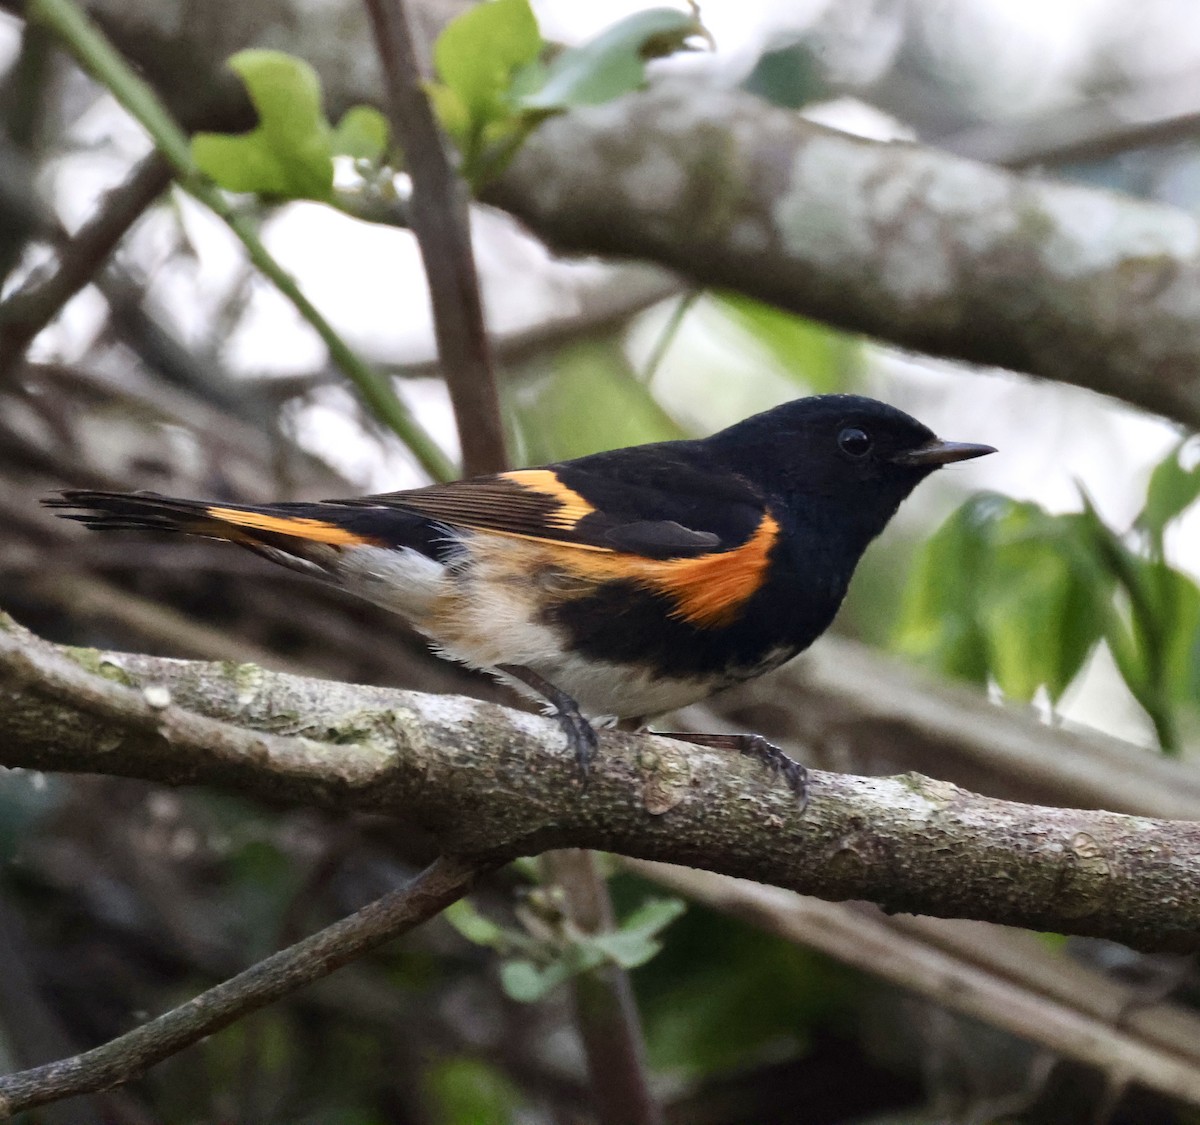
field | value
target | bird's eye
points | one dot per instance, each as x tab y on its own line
854	442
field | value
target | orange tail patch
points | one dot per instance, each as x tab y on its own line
299	527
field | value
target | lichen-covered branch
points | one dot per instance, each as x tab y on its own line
489	784
904	243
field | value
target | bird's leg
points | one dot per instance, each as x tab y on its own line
581	737
755	746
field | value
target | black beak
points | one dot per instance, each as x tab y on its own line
936	452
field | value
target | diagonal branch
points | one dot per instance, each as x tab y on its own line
490	784
1126	1044
442	226
131	1055
911	245
605	1011
27	311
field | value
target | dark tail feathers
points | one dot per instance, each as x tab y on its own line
298	536
132	511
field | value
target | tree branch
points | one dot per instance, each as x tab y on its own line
132	1054
850	708
1068	1024
442	226
904	243
907	244
606	1011
97	55
490	784
27	311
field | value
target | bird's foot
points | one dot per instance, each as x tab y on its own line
581	735
755	746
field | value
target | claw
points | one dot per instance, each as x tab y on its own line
758	747
581	735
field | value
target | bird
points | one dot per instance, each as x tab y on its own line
616	586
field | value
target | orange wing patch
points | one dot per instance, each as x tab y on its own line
571	506
707	590
315	531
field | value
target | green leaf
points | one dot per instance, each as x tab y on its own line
1172	490
450	110
479	53
526	983
1041	615
1005	590
463	916
811	354
939	622
789	77
289	154
653	916
362	134
588	399
1180	609
463	1091
614	62
637	940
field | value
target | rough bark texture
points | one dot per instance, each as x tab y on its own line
489	784
917	247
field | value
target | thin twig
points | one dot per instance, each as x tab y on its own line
441	223
667	336
27	311
93	52
24	95
606	1012
605	1008
1162	111
131	1055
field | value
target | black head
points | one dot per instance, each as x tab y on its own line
840	458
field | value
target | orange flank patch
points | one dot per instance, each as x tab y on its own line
315	531
572	507
707	590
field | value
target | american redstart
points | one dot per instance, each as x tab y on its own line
620	585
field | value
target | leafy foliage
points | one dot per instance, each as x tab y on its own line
613	63
462	1089
724	997
548	951
588	398
790	76
494	86
289	155
1007	592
